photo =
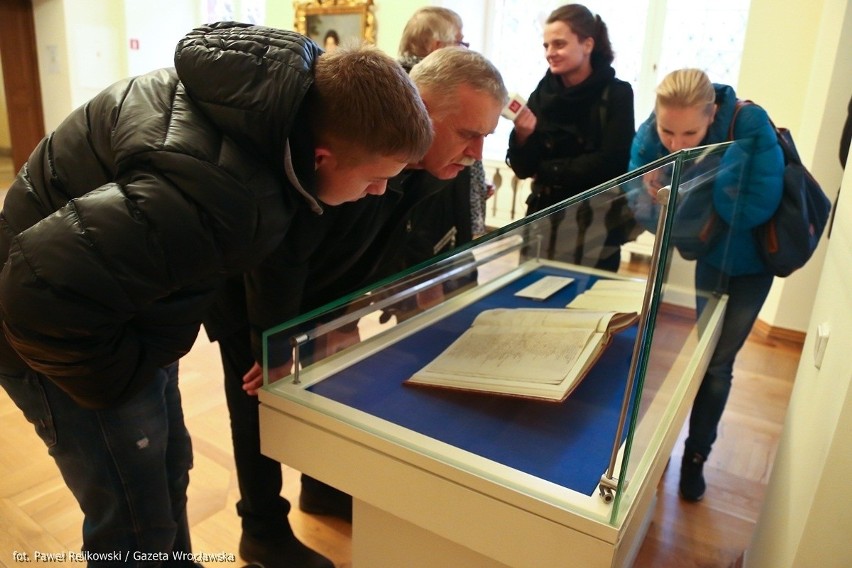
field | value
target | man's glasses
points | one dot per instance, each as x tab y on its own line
463	43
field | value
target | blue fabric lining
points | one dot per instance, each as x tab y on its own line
567	443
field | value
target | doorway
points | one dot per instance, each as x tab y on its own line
20	80
6	167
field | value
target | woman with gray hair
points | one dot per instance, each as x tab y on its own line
430	28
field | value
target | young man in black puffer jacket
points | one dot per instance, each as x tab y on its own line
120	228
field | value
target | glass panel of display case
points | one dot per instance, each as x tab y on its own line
679	338
587	452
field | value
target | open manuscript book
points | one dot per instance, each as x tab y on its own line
533	353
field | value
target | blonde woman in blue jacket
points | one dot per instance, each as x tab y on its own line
691	111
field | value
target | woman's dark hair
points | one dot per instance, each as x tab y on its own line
585	24
333	34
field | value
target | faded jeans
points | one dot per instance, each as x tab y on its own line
127	466
746	295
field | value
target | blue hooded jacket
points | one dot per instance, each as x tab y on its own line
760	192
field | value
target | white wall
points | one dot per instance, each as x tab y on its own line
52	47
154	37
797	65
80	47
84	45
97	52
280	15
806	513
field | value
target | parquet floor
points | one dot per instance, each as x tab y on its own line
37	513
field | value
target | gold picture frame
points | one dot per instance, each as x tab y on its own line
348	19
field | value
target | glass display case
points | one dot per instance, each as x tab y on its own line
467	477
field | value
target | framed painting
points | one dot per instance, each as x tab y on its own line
332	22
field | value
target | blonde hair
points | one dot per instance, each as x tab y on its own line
363	103
686	88
427	25
443	71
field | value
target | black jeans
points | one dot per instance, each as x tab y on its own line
262	509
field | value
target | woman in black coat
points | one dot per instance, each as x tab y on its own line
575	132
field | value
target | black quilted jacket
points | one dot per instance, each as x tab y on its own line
127	217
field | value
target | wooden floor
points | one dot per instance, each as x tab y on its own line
37	513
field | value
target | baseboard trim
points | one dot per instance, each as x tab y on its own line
675	310
761	328
767	331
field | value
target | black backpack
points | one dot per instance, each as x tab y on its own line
787	241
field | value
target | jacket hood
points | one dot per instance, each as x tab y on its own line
248	80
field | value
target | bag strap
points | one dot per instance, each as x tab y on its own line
737	107
782	135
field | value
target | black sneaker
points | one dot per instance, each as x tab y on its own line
692	486
286	552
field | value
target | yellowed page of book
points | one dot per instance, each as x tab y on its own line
526	352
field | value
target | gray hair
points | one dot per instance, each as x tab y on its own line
429	24
443	71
